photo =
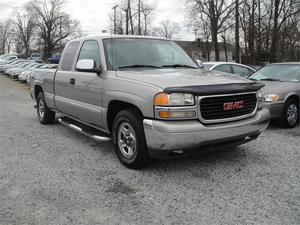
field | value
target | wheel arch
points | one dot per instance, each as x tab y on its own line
37	89
114	107
293	96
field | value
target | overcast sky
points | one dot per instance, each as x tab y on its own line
93	14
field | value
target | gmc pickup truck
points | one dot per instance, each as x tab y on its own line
149	97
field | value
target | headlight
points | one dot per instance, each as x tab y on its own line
175	106
271	97
174	99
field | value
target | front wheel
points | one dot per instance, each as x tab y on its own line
129	139
46	115
290	114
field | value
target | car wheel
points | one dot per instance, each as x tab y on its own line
290	114
46	116
129	139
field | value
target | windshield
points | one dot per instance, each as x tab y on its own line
145	53
278	73
35	55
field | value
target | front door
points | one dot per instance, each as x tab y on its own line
82	91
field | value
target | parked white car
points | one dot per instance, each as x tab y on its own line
230	67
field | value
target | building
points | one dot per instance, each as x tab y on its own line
205	51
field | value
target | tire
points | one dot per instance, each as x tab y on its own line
45	115
128	131
290	114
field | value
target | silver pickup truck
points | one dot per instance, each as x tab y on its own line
149	97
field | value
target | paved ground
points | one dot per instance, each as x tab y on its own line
52	175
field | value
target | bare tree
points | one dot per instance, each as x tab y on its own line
6	35
217	12
134	16
54	26
167	29
147	11
237	32
24	29
283	10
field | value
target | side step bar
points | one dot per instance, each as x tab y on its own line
84	129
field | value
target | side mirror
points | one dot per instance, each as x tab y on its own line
87	65
200	63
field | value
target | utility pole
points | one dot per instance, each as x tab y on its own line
115	18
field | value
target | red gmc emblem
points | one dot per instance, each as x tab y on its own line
233	105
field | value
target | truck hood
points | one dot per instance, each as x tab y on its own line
165	78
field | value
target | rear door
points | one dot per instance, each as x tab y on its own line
79	94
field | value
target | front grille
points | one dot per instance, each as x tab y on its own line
212	108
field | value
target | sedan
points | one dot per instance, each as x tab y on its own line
229	67
282	91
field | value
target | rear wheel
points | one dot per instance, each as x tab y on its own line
46	116
129	139
290	114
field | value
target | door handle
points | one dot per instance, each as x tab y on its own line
72	81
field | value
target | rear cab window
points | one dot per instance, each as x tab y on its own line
69	56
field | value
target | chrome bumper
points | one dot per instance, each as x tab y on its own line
180	135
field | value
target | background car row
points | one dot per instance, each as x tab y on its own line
21	69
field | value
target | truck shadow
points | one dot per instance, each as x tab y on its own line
202	158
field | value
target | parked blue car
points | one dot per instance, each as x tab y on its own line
54	59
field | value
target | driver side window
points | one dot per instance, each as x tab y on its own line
90	50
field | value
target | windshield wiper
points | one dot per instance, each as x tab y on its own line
179	65
138	66
252	79
270	79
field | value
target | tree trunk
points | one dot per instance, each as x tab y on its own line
139	18
273	49
145	25
127	22
237	32
258	57
130	17
251	32
214	29
225	47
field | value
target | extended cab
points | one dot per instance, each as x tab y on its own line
149	96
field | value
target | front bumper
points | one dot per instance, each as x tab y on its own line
170	136
275	109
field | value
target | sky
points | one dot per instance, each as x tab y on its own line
93	14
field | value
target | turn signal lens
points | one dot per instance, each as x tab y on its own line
161	99
271	97
164	114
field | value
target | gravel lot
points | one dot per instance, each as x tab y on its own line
53	175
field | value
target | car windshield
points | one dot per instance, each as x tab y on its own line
278	73
145	53
35	55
